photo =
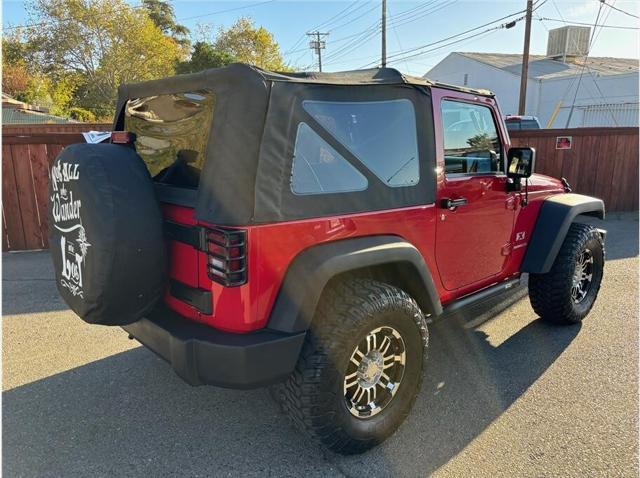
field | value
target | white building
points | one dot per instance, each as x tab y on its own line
607	93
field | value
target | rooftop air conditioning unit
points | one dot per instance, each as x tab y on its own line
568	41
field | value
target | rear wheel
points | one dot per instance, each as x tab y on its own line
567	292
361	366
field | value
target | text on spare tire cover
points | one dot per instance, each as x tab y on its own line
66	216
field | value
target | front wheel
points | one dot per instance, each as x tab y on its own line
566	294
361	366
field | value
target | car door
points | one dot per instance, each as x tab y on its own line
476	213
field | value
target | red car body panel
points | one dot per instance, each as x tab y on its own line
466	249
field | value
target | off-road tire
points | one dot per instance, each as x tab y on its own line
550	293
313	396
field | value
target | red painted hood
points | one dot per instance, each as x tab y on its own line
541	182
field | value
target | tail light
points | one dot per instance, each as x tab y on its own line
227	256
122	137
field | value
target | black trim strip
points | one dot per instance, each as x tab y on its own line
201	299
175	194
483	294
192	235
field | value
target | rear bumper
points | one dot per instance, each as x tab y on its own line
201	355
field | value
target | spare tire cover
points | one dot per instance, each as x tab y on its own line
105	233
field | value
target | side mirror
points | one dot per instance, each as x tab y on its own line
520	162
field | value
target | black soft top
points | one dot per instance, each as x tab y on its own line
246	74
245	178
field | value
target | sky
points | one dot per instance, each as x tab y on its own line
355	42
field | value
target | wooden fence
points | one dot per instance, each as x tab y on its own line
28	152
602	162
45	128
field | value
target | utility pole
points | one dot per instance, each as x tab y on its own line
383	61
318	45
525	60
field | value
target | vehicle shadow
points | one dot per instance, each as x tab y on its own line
469	383
28	284
128	414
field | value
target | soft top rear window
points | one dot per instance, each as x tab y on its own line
172	131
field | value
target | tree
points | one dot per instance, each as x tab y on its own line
249	44
22	79
15	49
481	142
15	79
103	42
80	114
204	56
15	75
163	16
241	42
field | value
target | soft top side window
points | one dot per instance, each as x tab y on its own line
382	135
471	140
318	168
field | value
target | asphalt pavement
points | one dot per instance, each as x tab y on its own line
509	397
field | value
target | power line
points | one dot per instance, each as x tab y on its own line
325	23
133	7
593	77
413	10
374	29
575	96
618	9
457	35
363	36
226	10
435	51
474	36
604	20
357	40
429	53
426	53
341	12
295	62
537	4
350	22
333	20
414	13
435	9
339	40
621	27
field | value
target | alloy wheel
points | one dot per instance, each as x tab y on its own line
374	372
582	276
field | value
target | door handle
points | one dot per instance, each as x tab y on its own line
447	203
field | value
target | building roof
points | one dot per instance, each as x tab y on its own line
11	102
20	116
543	68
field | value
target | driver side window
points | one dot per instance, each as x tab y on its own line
471	141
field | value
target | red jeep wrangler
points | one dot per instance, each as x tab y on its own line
256	228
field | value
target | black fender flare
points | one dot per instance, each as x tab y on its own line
314	267
554	219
